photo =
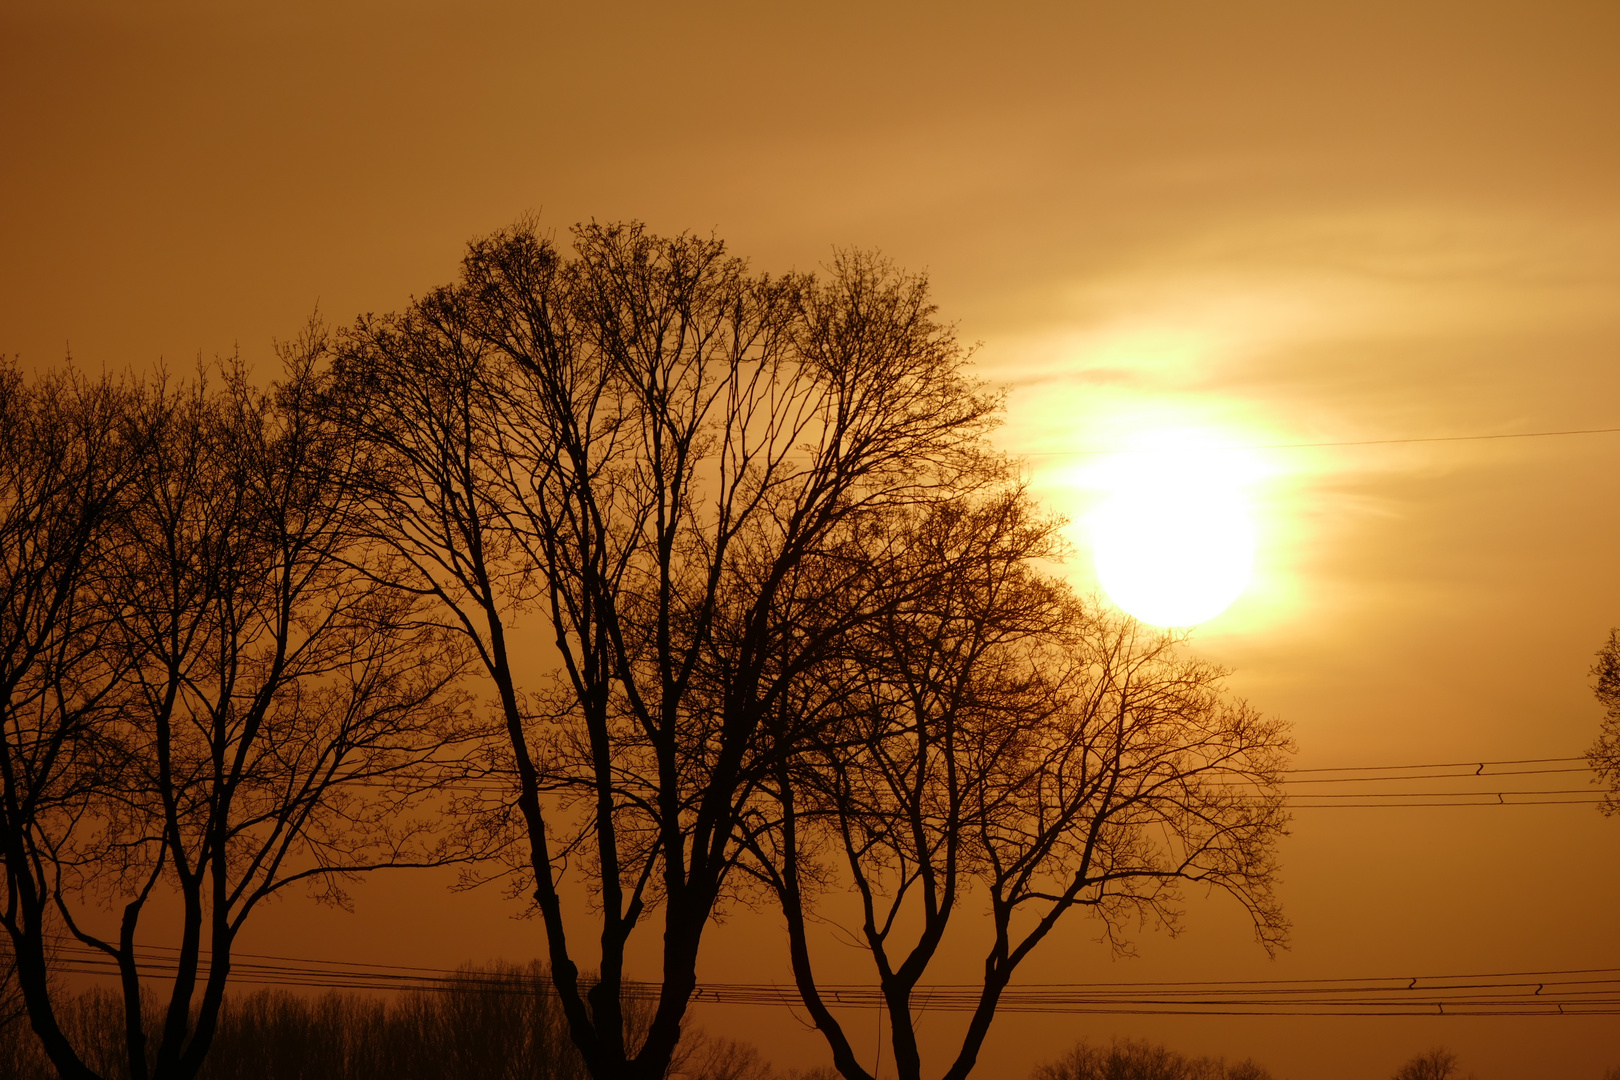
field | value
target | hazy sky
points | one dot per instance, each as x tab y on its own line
1246	223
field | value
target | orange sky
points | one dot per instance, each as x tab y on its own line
1267	223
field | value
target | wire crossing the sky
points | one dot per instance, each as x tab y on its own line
1472	783
1333	442
1566	992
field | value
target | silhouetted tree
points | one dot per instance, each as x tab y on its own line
1129	1059
1604	755
993	740
1436	1064
673	462
68	455
224	702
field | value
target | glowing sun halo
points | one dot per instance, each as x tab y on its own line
1173	541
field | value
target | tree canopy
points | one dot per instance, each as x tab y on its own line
762	610
205	688
688	471
1604	756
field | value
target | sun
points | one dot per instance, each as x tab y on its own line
1173	539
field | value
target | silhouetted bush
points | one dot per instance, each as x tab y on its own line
1436	1064
1128	1059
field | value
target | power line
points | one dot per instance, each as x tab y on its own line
1333	442
1436	776
1303	781
1446	794
1481	799
1478	763
1436	765
1568	992
1555	978
1371	785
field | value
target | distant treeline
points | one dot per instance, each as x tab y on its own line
504	1022
496	1022
1129	1059
490	1022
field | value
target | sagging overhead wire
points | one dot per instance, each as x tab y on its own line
1566	992
1370	781
1336	442
1474	785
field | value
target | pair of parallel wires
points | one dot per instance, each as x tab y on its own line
1327	443
1569	992
1448	783
1566	992
1444	783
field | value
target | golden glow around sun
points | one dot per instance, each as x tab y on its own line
1173	537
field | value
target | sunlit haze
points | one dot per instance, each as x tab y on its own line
1299	311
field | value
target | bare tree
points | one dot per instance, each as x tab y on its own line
670	461
1436	1064
1604	756
1000	742
244	709
1129	1059
67	459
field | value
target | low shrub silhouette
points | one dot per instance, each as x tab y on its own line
1436	1064
1129	1059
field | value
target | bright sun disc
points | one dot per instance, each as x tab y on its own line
1173	544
